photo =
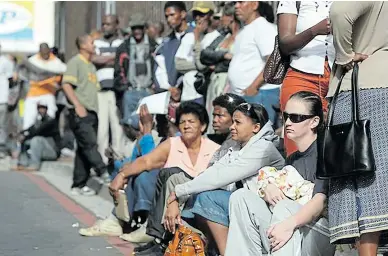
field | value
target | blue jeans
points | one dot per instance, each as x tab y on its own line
211	205
140	191
131	101
267	98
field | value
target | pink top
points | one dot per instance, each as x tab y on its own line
179	156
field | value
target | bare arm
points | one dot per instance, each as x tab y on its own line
103	60
154	160
289	42
69	91
310	211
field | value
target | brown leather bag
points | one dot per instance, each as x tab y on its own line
186	243
278	63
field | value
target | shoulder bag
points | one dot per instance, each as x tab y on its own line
346	149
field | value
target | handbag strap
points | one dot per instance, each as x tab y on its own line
355	114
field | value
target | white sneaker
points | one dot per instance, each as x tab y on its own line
76	191
107	227
85	191
138	236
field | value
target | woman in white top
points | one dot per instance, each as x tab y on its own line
304	28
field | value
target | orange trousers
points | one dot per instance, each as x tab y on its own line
296	81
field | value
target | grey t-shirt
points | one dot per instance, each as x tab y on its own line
306	164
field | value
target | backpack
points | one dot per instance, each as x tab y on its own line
186	243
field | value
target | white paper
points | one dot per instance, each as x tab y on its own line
156	103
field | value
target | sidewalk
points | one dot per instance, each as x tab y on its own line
59	174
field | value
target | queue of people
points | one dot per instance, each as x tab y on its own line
200	165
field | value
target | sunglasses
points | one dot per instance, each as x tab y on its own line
296	118
248	109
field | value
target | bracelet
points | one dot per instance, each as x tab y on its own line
122	174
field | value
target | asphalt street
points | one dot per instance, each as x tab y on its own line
38	220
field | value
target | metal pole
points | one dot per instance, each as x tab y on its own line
62	21
99	15
110	7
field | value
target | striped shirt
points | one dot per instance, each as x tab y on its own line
105	73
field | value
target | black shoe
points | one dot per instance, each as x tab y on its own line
144	247
155	250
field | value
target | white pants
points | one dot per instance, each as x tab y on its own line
108	116
31	108
250	220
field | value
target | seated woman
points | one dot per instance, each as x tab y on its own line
224	105
256	149
290	228
189	152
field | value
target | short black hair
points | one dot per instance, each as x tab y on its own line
229	101
80	40
256	112
265	10
191	107
180	5
44	46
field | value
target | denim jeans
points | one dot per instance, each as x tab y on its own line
268	98
140	191
131	101
40	148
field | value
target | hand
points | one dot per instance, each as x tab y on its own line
81	111
108	152
250	91
200	28
322	28
172	217
212	68
358	57
280	233
146	120
273	194
21	138
228	56
117	184
175	93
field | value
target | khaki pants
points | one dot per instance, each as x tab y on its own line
108	117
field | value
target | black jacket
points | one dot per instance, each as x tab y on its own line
46	127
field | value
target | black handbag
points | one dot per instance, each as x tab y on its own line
346	149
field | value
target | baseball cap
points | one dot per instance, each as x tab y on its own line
203	6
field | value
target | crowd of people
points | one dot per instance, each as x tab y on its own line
204	163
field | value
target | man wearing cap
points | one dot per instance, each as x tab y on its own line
39	142
108	117
187	58
139	74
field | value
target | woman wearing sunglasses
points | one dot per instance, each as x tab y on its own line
238	168
290	228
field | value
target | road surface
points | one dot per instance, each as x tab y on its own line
37	220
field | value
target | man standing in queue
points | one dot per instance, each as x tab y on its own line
81	87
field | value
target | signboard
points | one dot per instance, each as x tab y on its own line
19	23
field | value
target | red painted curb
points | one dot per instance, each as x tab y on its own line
77	211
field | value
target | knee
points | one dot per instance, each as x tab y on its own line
237	198
165	173
143	179
36	142
281	210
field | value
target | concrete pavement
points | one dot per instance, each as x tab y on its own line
36	219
